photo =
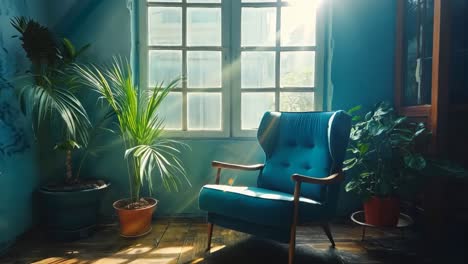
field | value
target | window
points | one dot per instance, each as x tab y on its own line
239	58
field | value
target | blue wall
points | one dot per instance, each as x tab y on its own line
18	169
362	69
362	73
363	57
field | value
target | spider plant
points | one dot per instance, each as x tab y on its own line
51	94
141	128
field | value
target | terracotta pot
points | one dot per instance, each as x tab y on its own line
382	211
135	222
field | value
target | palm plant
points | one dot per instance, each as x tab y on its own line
52	92
141	128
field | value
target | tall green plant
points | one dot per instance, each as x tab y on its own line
384	152
141	128
51	95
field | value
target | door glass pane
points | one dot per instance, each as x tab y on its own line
419	22
298	24
297	69
171	111
258	69
204	26
164	66
258	26
296	102
204	69
165	26
254	105
204	111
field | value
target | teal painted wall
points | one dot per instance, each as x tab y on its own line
18	166
362	73
362	69
364	48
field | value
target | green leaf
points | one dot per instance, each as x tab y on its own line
354	109
373	127
352	186
351	164
419	132
369	116
416	161
69	48
400	120
365	174
348	161
363	148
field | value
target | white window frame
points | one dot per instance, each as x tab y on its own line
231	72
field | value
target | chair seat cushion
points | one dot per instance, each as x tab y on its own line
257	205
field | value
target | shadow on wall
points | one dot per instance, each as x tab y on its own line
18	170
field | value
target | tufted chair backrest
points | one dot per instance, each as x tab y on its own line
308	143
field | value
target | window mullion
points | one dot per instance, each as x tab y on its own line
277	57
184	67
235	33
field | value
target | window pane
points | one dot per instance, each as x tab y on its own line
204	26
298	24
204	111
171	111
164	66
258	26
254	105
164	25
258	69
204	69
298	69
296	102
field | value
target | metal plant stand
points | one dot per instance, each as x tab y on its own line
403	222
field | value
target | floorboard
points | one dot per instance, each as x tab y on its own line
181	241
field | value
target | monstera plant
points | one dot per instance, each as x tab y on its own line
385	155
50	98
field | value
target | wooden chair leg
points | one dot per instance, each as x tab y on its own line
292	238
326	228
292	244
210	233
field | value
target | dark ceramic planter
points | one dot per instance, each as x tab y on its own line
70	215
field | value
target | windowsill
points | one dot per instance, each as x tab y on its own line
215	138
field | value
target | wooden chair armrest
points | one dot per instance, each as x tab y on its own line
224	165
334	178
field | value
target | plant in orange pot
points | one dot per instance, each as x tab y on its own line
385	158
141	128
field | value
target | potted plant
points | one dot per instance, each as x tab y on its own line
385	157
142	133
71	205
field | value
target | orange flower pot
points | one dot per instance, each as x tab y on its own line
382	211
135	222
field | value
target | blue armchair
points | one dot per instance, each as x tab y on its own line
298	183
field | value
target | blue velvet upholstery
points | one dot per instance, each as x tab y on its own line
309	143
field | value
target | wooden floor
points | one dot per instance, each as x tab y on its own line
184	240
